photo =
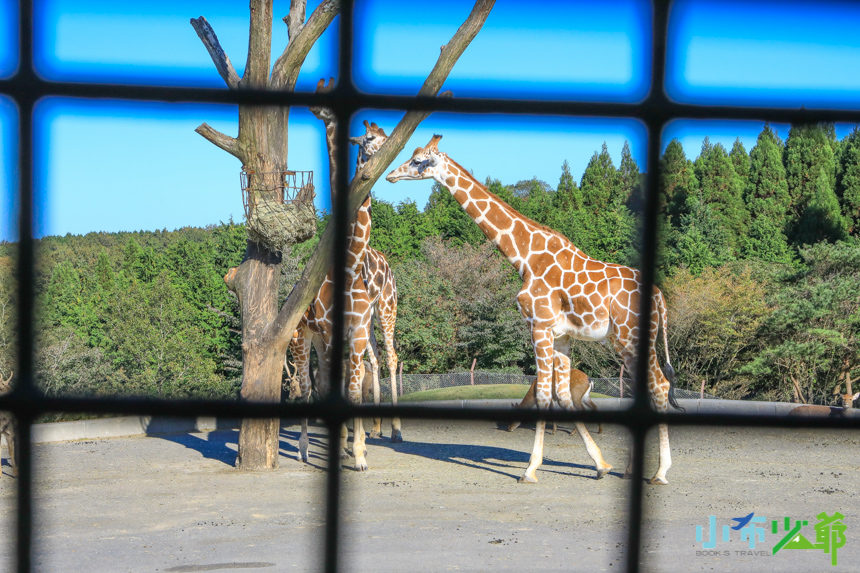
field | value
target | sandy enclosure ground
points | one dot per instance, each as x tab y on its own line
445	499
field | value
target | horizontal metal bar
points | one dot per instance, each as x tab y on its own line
342	410
656	107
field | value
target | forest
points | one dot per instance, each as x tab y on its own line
759	258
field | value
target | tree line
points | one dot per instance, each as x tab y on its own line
758	255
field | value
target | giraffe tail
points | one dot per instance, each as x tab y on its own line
668	371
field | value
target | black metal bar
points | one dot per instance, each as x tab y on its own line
343	111
25	402
25	388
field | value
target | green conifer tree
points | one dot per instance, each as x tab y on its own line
599	181
677	181
722	190
568	196
808	152
767	201
740	161
848	187
822	219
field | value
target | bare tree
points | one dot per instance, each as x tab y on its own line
261	146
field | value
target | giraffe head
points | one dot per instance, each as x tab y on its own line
369	143
426	163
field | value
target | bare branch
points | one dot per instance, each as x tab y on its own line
225	142
317	267
286	69
219	58
296	18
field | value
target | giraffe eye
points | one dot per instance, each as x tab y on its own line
370	138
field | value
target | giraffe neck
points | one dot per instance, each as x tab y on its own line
359	234
509	230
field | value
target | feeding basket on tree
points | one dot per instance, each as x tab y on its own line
279	207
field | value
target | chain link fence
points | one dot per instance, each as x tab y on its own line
420	382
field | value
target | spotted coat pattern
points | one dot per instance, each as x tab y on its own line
565	295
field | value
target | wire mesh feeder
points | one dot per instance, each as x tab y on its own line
279	207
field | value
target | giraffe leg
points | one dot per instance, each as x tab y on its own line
387	324
344	442
376	430
356	375
300	349
628	362
659	387
562	361
542	341
665	457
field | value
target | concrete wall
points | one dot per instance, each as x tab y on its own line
148	426
125	426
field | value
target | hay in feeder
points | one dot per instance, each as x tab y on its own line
279	208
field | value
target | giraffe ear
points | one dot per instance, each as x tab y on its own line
382	131
355	140
434	158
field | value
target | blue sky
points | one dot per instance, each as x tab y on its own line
112	166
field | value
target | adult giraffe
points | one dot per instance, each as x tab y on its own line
370	287
316	325
565	294
381	290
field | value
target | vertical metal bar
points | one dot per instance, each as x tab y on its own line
341	221
25	388
642	402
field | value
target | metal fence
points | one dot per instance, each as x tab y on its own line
26	88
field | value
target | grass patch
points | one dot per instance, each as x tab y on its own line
476	392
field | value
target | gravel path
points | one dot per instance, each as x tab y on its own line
446	499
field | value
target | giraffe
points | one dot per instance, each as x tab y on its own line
316	327
7	426
370	289
565	294
381	288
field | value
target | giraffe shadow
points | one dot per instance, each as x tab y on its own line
317	442
491	459
222	445
6	468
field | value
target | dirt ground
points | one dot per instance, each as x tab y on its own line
446	499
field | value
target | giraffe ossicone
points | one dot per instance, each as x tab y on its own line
565	295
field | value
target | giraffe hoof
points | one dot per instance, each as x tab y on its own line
527	479
602	472
302	457
658	481
361	466
627	475
375	434
396	437
345	454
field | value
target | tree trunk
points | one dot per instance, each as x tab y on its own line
262	147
